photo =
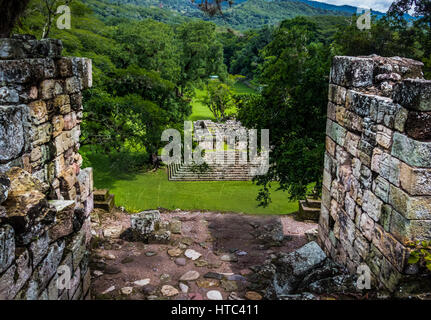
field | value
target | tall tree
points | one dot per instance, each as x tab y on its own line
293	107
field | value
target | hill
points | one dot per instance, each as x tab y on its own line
243	15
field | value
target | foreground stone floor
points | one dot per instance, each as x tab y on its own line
208	256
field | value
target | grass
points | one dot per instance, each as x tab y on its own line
200	111
150	190
241	88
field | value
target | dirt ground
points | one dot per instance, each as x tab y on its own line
229	245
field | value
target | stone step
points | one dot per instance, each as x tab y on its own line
308	213
106	205
313	203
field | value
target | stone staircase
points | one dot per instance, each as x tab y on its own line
309	209
104	200
222	166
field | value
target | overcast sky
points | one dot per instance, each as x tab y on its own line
379	5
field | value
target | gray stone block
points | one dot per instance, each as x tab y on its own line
7	247
413	152
414	94
352	71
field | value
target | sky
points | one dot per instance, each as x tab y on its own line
379	5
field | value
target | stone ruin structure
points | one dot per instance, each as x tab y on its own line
377	177
45	196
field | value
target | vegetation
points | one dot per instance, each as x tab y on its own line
420	254
293	105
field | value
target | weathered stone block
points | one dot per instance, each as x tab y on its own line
352	71
384	111
50	88
393	250
385	165
7	283
70	120
405	230
361	103
41	134
351	143
381	188
400	119
413	152
414	94
72	85
361	245
39	248
385	217
144	223
23	270
47	268
416	181
384	136
327	179
349	206
64	67
417	208
367	226
326	198
7	247
336	132
57	125
27	209
13	128
79	245
9	95
337	94
63	219
389	275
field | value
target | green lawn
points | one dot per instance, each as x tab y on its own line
150	190
200	112
241	88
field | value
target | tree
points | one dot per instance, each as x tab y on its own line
421	9
218	98
11	10
293	107
201	54
49	9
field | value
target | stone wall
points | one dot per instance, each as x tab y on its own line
377	177
45	196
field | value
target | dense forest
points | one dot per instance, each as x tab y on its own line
148	61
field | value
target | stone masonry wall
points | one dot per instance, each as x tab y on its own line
45	196
377	177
